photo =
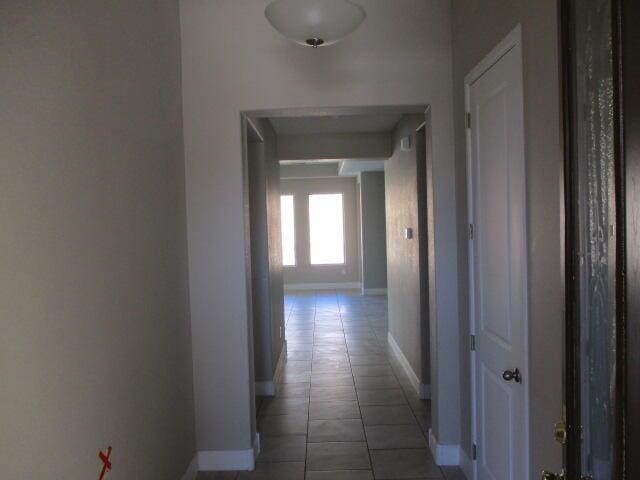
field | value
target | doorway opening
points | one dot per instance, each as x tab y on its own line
338	216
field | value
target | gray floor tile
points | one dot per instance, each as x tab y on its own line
330	342
366	351
298	324
328	324
343	430
398	464
287	377
341	475
291	390
330	358
289	448
286	406
368	360
283	425
453	473
368	397
319	394
354	329
342	370
388	415
217	475
299	338
299	329
338	456
360	335
329	334
381	437
297	366
333	410
371	370
388	381
300	355
323	329
322	349
331	379
372	342
275	471
299	347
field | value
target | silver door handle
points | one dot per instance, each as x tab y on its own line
512	375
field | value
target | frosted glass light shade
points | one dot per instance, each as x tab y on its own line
315	22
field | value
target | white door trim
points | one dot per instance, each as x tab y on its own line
512	41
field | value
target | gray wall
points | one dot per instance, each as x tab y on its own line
306	170
334	146
473	39
266	253
373	230
405	278
304	272
95	347
267	71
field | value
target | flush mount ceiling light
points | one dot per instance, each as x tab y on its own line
315	23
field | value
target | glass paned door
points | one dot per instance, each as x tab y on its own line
593	205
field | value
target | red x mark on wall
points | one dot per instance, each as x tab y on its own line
106	463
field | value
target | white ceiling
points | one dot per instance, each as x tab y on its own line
335	124
350	168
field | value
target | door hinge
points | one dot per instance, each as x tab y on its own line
474	451
471	231
473	343
467	119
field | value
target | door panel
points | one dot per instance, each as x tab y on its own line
497	459
498	252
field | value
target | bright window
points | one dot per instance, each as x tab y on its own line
288	231
326	229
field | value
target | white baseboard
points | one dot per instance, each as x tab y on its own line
302	287
444	455
466	464
265	389
374	291
192	469
422	389
229	460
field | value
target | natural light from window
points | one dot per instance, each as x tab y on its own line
326	229
288	231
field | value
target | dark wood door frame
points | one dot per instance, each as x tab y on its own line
626	61
629	54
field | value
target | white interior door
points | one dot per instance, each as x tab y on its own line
498	267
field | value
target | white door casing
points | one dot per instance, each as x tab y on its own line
498	262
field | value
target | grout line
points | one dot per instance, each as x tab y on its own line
313	342
364	430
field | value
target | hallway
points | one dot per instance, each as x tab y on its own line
343	408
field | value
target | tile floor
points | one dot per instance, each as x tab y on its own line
344	409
